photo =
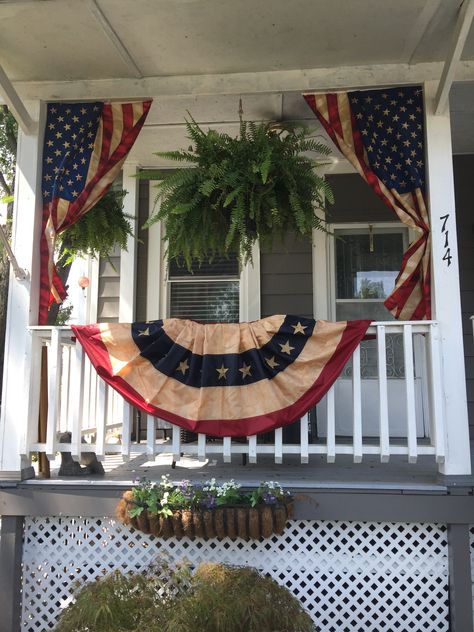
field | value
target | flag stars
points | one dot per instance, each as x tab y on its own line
245	370
299	328
59	135
183	367
222	371
286	348
271	362
74	193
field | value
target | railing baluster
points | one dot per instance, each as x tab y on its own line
436	401
304	438
253	449
150	435
201	447
383	395
126	429
65	388
279	445
331	425
30	434
176	443
77	414
357	406
101	419
410	393
54	391
226	449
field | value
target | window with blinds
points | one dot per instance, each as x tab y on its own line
209	295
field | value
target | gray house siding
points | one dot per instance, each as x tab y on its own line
109	289
463	172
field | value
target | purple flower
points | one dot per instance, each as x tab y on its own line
268	498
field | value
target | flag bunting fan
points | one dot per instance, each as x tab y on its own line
222	379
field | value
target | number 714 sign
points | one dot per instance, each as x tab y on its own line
445	232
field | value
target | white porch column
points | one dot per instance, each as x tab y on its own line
128	257
128	266
445	284
18	376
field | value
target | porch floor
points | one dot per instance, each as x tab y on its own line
397	474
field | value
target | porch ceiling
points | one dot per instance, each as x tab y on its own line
54	49
59	40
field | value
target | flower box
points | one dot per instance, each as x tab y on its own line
231	521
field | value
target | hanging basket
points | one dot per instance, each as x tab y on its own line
248	523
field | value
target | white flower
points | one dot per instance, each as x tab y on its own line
164	500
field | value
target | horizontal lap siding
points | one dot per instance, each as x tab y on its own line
109	288
286	278
463	172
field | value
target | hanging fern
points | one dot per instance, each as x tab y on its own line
239	190
99	231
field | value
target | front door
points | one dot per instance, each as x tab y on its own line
364	263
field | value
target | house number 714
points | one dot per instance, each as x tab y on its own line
444	231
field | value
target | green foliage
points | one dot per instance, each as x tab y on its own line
166	598
230	599
99	231
64	314
238	190
163	497
122	602
8	136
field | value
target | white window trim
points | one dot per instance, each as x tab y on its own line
331	260
158	296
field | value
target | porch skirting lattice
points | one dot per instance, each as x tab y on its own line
349	575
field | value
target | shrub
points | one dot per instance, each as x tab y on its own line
166	598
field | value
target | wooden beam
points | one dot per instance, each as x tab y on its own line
463	25
15	104
418	28
115	39
268	82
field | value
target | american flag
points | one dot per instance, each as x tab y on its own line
85	146
381	133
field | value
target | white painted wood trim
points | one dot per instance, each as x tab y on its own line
410	393
18	419
128	257
128	274
54	381
16	105
265	82
383	399
155	276
357	406
446	300
115	39
249	288
92	305
461	31
331	425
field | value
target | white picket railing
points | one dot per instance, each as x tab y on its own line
80	402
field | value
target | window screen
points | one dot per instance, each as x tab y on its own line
209	294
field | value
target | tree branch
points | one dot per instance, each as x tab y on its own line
9	134
4	184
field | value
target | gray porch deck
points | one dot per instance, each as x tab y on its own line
318	474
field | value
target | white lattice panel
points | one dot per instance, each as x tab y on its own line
350	576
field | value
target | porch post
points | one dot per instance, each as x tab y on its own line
446	300
22	306
127	300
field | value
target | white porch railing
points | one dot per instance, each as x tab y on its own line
81	403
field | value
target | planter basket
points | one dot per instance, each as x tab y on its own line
232	522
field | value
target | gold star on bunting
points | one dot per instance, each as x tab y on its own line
299	328
286	347
245	370
144	332
183	367
222	372
271	362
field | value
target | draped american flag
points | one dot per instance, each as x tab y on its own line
381	133
85	146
